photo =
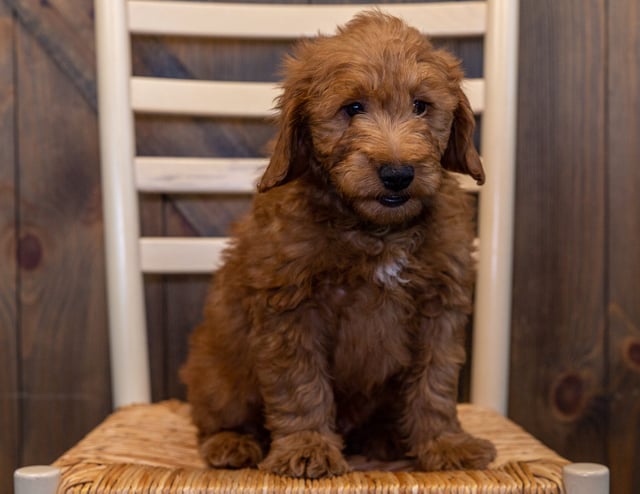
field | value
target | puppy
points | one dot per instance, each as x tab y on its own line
335	324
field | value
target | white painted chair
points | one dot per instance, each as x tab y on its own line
124	175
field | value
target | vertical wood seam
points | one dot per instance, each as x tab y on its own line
606	337
16	222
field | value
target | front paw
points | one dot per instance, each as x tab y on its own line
306	454
455	451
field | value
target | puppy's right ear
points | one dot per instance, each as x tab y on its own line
292	149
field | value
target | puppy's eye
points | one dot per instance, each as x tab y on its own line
353	109
420	107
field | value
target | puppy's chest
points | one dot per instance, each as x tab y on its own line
391	273
374	321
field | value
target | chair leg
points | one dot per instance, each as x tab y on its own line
586	478
36	480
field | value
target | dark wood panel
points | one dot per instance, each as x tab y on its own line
64	30
204	59
152	224
185	296
62	315
624	243
10	424
558	366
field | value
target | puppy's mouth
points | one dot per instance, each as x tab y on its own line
393	200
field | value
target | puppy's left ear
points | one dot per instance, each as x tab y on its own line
461	155
292	149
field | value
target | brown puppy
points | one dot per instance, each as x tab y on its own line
336	320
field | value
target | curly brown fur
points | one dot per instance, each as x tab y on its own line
336	320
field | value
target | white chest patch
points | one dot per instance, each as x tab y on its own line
390	273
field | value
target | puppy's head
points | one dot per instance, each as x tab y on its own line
379	113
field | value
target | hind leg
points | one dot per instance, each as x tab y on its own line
229	449
225	403
230	432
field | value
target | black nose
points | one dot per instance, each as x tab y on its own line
396	178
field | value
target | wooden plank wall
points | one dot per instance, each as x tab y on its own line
576	311
61	388
558	344
10	422
623	304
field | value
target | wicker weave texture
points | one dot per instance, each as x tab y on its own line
152	449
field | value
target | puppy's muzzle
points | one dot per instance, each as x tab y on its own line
395	179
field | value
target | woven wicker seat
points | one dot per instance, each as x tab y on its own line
152	449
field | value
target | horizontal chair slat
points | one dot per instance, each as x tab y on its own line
289	21
474	90
191	255
203	98
164	174
229	99
216	175
172	255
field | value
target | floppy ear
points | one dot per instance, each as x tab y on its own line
461	155
292	148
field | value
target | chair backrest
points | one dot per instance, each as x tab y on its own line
125	175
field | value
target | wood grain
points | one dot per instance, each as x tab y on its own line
158	135
185	296
152	224
624	239
10	423
62	314
558	365
64	30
